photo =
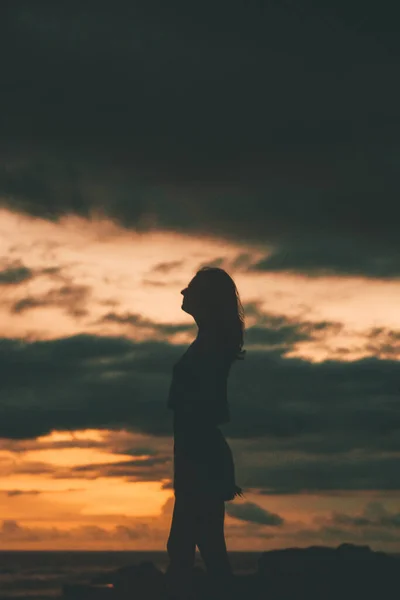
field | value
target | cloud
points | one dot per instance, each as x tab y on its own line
158	330
305	419
281	332
25	445
71	381
70	296
154	468
167	267
12	532
373	525
27	467
347	472
374	515
65	379
236	151
12	493
73	298
15	274
318	256
384	342
252	513
144	532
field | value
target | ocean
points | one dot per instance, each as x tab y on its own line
40	575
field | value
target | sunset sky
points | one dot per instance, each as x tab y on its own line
139	145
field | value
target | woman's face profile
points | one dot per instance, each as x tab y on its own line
191	303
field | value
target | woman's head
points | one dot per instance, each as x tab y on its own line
213	300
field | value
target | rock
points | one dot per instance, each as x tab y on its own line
143	580
348	571
314	573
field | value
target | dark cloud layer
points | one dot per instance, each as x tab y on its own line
322	413
345	472
276	123
332	256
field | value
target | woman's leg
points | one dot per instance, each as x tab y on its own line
181	547
210	539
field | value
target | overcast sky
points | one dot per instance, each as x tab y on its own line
141	141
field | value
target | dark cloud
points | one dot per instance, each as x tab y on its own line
140	451
73	298
329	256
353	403
168	485
335	472
76	378
28	468
69	296
281	332
13	493
21	446
153	283
15	274
220	120
163	330
252	513
167	267
383	342
146	469
313	426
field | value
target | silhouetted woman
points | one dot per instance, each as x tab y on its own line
204	474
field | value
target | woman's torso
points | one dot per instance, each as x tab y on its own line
198	396
199	382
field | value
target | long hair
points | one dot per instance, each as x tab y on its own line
224	308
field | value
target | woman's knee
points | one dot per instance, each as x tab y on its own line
181	545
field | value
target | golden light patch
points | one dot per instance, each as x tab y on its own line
49	493
142	274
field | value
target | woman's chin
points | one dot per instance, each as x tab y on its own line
185	309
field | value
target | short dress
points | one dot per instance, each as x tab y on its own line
203	461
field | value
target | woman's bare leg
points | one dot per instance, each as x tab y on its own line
181	547
210	539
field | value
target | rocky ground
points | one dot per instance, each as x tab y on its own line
314	573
